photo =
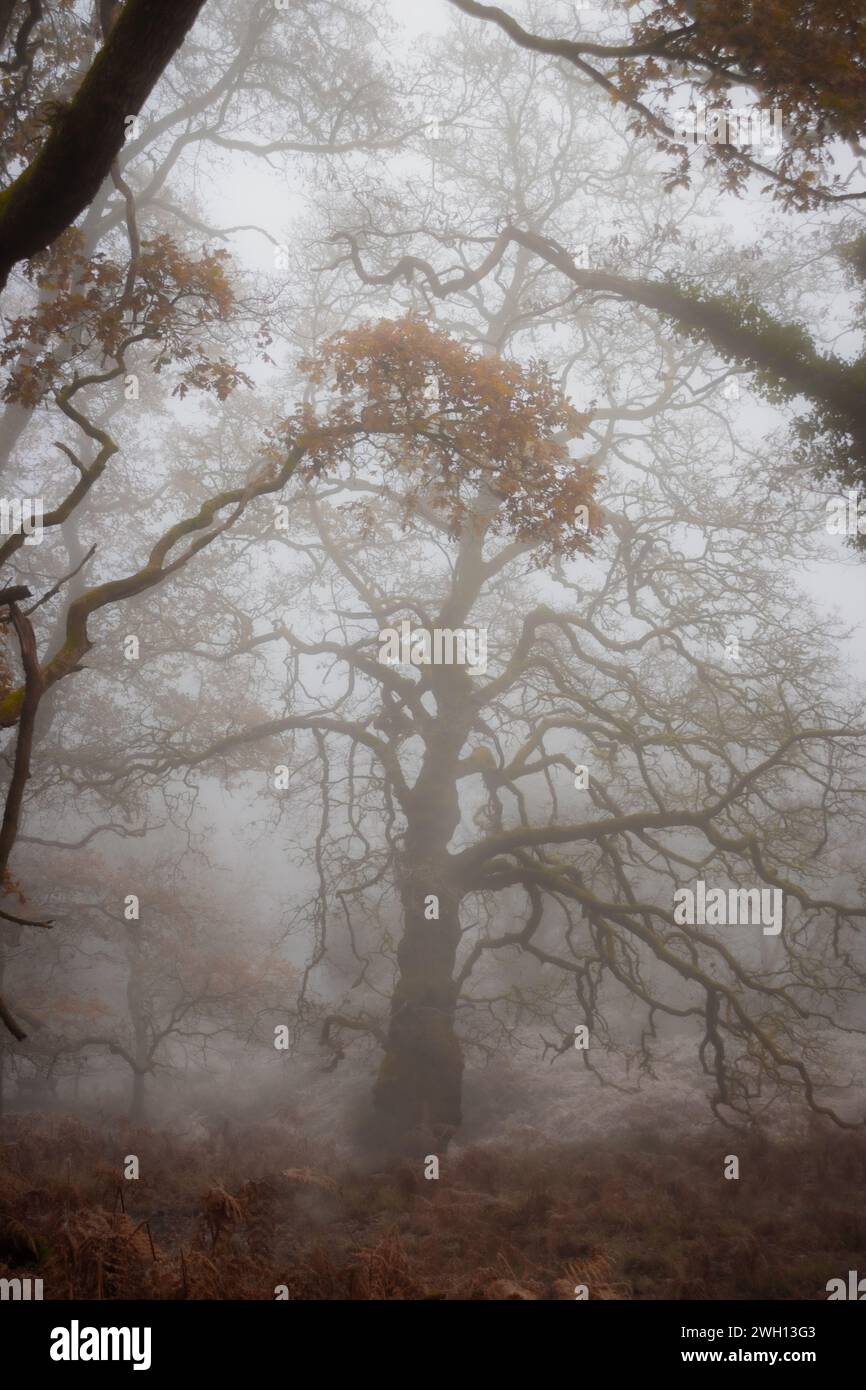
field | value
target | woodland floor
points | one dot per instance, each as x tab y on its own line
250	1208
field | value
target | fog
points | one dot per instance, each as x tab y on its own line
434	726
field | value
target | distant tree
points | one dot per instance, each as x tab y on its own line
805	57
158	989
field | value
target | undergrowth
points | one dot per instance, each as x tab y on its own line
258	1208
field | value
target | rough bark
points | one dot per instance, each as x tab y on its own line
417	1095
85	139
418	1089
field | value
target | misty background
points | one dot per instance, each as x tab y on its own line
233	818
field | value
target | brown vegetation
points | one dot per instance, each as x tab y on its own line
228	1218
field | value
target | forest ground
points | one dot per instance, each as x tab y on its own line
631	1201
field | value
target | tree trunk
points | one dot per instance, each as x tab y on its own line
137	1099
418	1090
417	1096
66	174
417	1093
139	1022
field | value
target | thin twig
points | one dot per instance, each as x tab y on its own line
65	580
